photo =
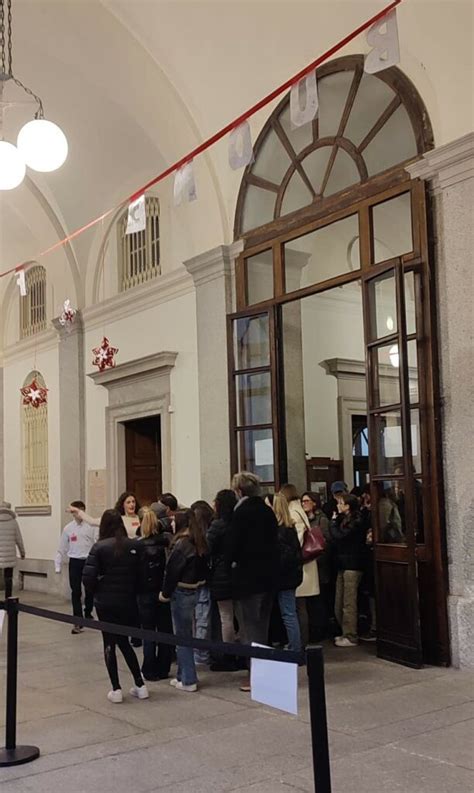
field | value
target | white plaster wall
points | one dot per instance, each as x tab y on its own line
40	533
167	326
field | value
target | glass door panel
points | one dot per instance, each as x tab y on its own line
392	228
385	367
251	342
383	304
254	398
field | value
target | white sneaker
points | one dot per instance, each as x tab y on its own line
174	682
115	696
181	687
140	692
343	641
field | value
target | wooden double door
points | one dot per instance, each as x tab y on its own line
402	411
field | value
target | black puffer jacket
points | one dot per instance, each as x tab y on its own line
111	571
290	573
252	548
349	535
220	581
152	562
184	569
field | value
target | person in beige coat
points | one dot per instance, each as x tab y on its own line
10	540
309	587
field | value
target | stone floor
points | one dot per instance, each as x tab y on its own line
391	728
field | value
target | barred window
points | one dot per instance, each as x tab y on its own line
140	252
35	449
33	305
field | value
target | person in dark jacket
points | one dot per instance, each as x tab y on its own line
153	614
349	537
186	571
252	552
110	575
204	515
290	570
220	580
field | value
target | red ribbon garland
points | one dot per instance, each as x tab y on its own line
218	135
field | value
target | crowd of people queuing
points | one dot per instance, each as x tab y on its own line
279	569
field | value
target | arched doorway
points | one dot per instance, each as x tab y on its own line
331	221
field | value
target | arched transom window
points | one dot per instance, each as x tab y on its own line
366	125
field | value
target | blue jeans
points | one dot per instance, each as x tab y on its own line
183	603
202	617
287	603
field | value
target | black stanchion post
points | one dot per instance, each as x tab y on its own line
318	716
13	754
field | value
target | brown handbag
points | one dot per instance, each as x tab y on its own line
314	544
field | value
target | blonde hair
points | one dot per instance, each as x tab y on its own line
247	483
281	510
149	524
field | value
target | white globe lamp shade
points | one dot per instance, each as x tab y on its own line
394	356
12	166
43	145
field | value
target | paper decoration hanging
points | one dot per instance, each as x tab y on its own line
184	184
21	282
136	220
240	146
302	115
385	43
34	394
67	316
104	355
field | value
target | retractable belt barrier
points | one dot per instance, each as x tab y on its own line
17	755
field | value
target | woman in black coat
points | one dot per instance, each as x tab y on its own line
110	575
349	536
220	582
154	615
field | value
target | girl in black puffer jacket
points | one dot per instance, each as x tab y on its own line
290	573
110	575
154	615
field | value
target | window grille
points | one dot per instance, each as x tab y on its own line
140	252
35	450
33	305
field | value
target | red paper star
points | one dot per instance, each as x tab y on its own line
67	317
34	394
104	355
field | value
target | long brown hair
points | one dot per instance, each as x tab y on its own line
290	492
187	526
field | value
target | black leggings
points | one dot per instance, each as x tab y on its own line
113	640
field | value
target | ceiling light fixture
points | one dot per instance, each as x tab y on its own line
41	144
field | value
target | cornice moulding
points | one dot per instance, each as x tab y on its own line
213	264
157	364
39	342
133	301
446	165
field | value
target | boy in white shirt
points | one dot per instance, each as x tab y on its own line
77	539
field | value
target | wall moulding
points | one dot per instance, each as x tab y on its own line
168	286
447	165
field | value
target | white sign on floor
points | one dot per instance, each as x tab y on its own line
274	683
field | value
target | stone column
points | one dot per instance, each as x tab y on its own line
2	449
212	273
449	170
71	411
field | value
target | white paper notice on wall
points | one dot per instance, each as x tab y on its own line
274	683
136	220
240	146
304	102
2	619
383	38
264	452
184	184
